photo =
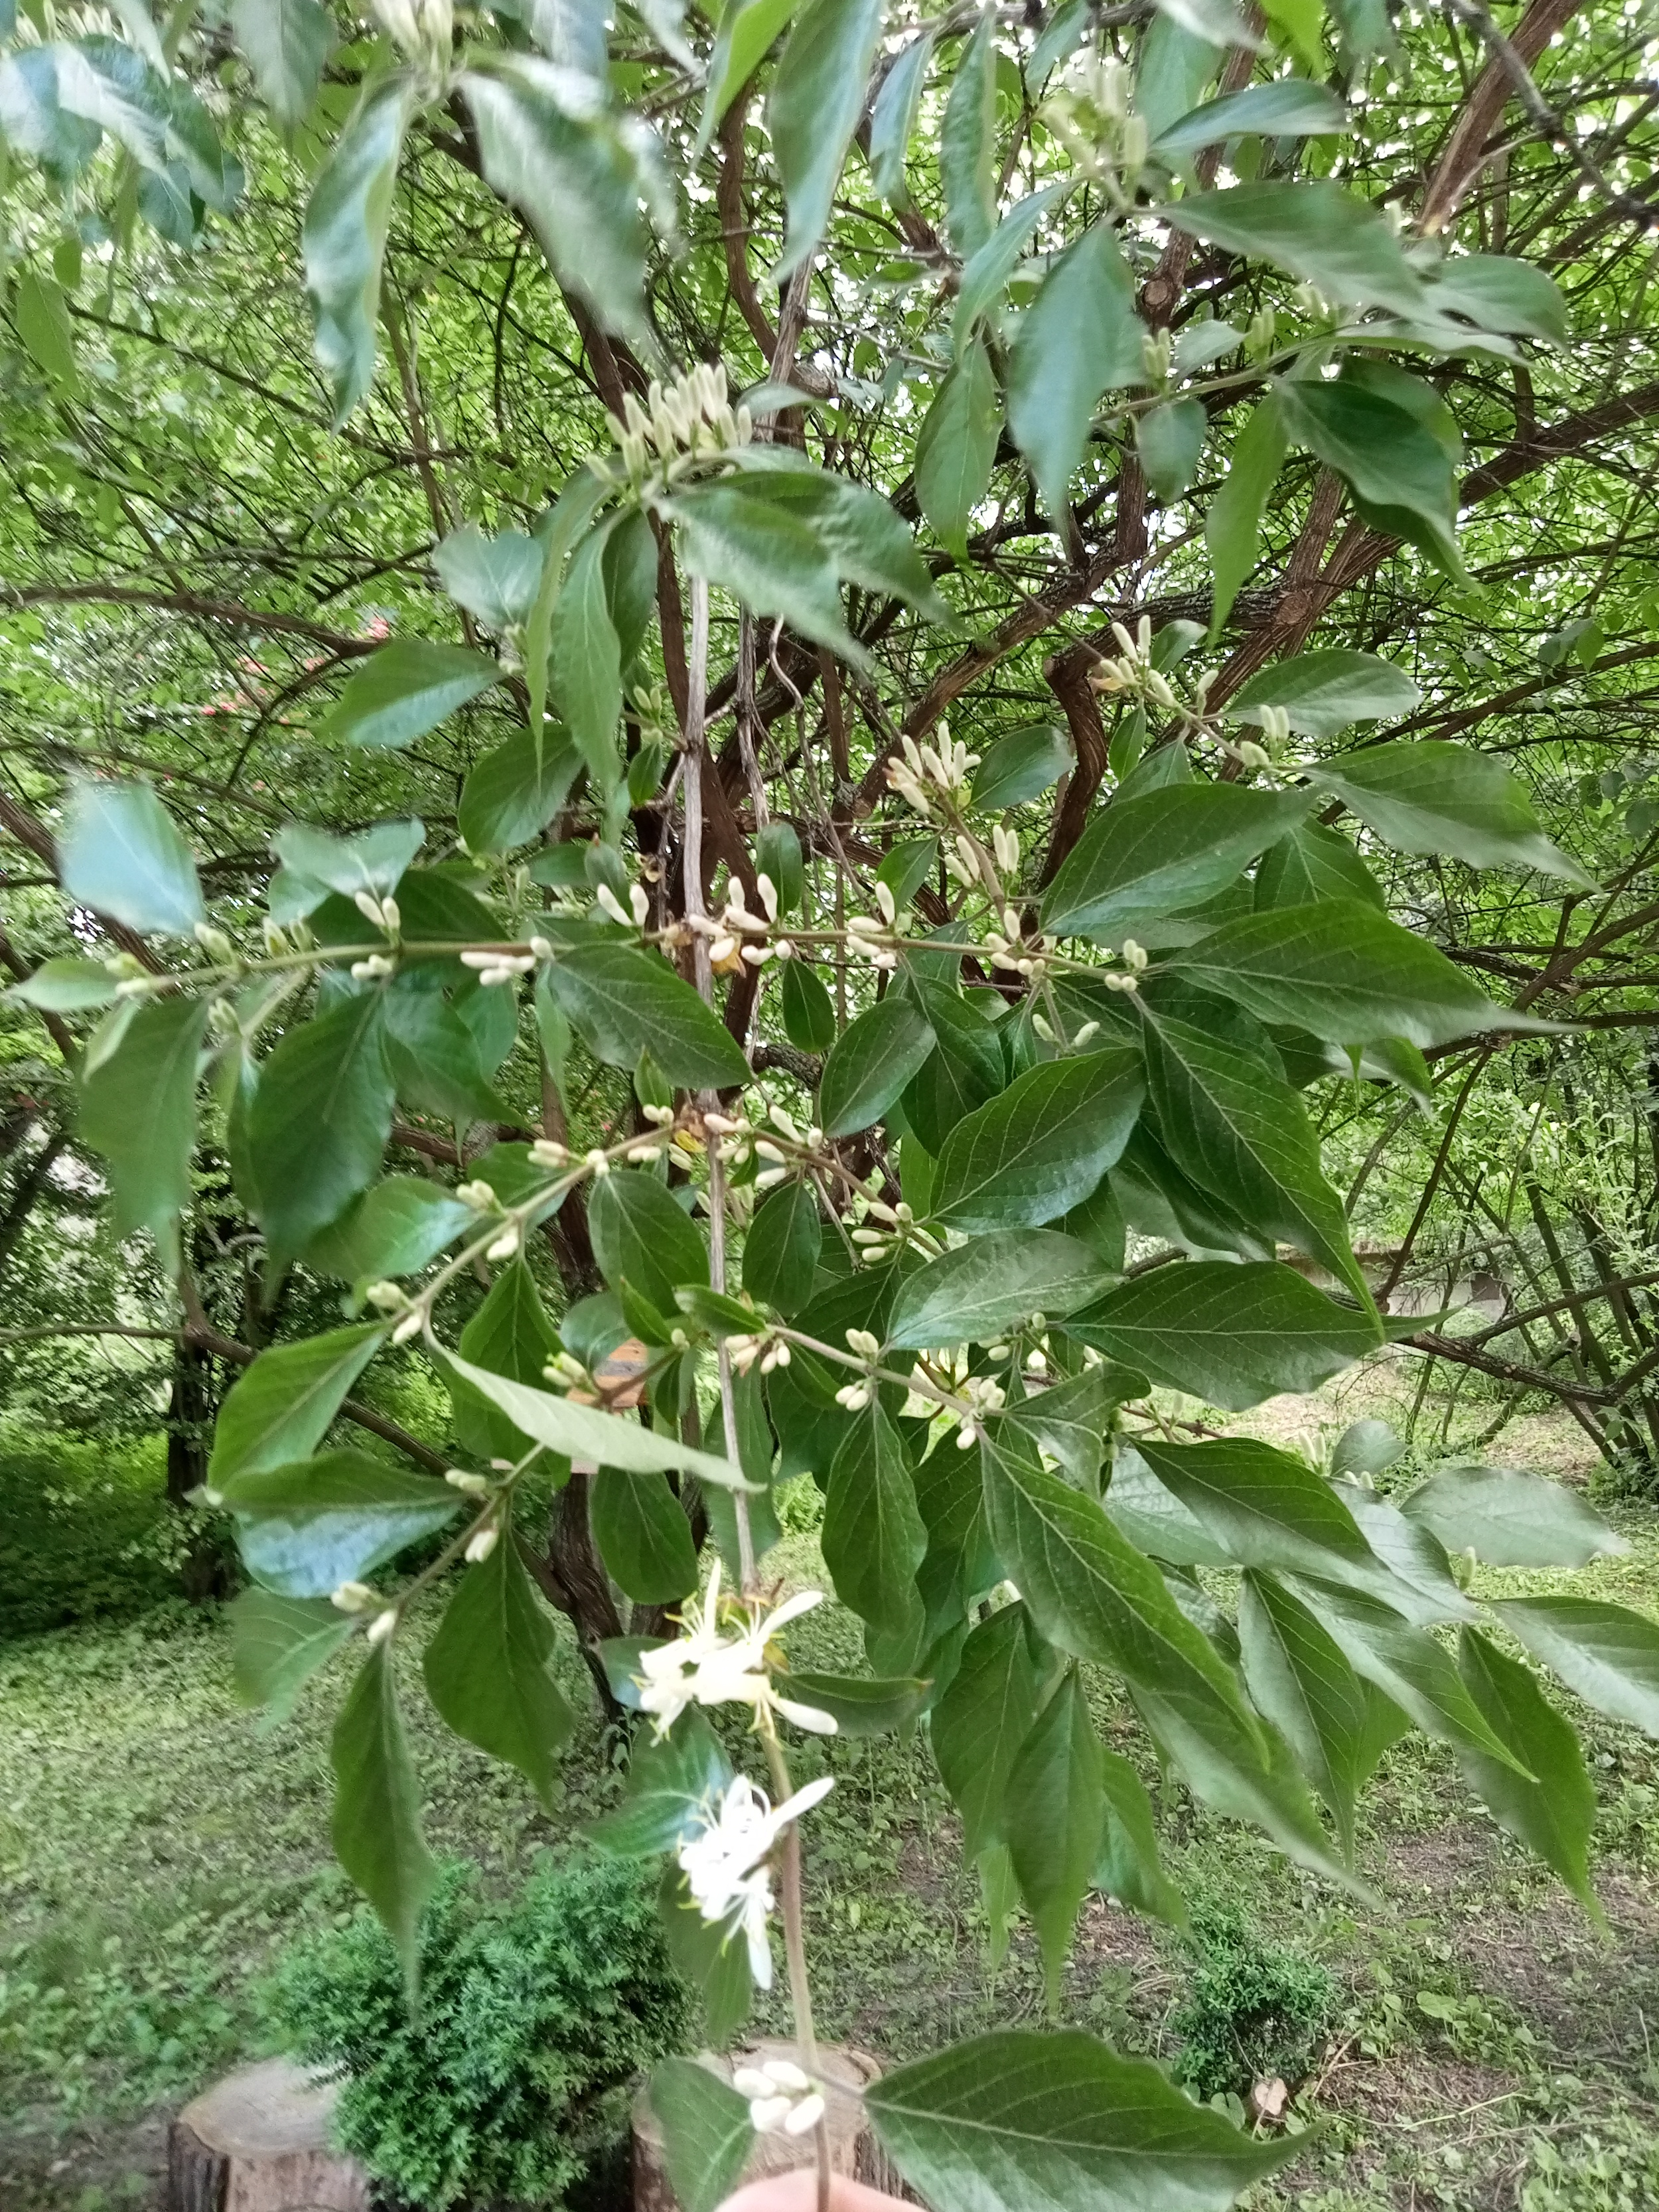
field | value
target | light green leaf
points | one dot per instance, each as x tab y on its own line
859	1704
781	1252
1301	1681
1168	440
1041	1146
1608	1653
956	446
640	1236
1497	293
1555	1814
893	119
977	1292
377	1806
1425	1589
707	1958
1055	1806
138	1110
643	1535
394	1229
571	32
319	1121
816	104
1510	1520
587	660
1173	68
1231	1335
873	1537
280	1409
862	533
871	1062
1316	229
42	315
1232	528
747	30
343	239
1161	852
405	690
1079	338
582	1432
497	578
705	2133
1016	2119
775	561
623	1000
121	853
980	1724
1069	1418
986	274
66	986
967	146
373	862
278	1644
1324	692
1023	765
286	43
1289	108
1423	797
304	1528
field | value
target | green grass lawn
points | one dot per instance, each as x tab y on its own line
1486	2049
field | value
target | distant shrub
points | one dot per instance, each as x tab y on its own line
85	1530
535	2018
1251	2008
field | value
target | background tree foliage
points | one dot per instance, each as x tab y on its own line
340	454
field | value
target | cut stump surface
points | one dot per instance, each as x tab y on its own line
262	2141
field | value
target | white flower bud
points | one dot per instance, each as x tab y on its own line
768	891
410	1326
382	1625
369	907
469	1485
612	905
596	1163
354	1597
480	1547
888	904
392	914
505	1245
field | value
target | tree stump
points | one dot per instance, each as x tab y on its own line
852	2147
262	2141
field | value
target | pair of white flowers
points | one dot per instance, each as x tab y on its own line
702	1667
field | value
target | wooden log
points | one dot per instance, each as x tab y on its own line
262	2141
854	2151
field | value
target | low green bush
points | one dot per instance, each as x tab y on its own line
86	1532
1251	2008
511	2079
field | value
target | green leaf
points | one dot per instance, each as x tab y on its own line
1608	1653
576	171
1153	1518
747	30
571	32
859	1704
1499	293
643	1535
1301	1681
586	659
1443	798
497	578
809	1013
775	562
623	1001
343	239
873	1538
672	1779
980	1724
314	863
956	446
781	1252
987	273
966	146
1015	2119
42	316
1230	1336
66	986
977	1292
1401	475
705	2133
966	1068
278	1644
1127	1866
1316	230
1314	863
377	1806
1425	1589
641	1236
1069	1419
893	119
510	1335
582	1432
1240	1132
1041	1146
286	42
1174	66
816	104
280	1409
138	1110
514	792
1323	692
1168	849
1510	1520
1290	108
871	1062
306	1528
862	533
433	1058
489	1669
121	853
777	854
706	1958
319	1121
1023	765
1555	1814
1232	528
1266	1508
405	690
1055	1806
1079	338
1345	973
1168	440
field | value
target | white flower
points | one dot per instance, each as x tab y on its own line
724	1861
704	1668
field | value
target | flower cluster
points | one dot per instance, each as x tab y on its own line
724	1861
899	1229
738	1140
944	766
780	2096
985	1396
702	1667
492	967
865	931
687	421
1132	671
1092	118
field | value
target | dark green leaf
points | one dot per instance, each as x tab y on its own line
1055	1807
623	1000
1265	1508
121	853
1153	1518
1553	1815
377	1806
1042	1146
671	1779
643	1535
583	1432
1292	108
1425	1589
641	1235
1079	338
1168	440
587	660
862	533
280	1409
278	1643
1440	797
966	1068
433	1058
319	1121
778	855
1314	863
138	1110
1230	1336
286	42
394	1229
489	1669
1324	692
980	1724
775	561
956	449
967	146
816	104
1510	1520
1163	851
873	1538
1126	1867
1316	230
306	1528
1608	1653
1069	1419
1023	765
781	1252
515	791
1232	528
510	1335
706	1958
977	1292
1401	475
859	1704
405	690
343	239
1016	2119
1300	1679
809	1013
705	2133
43	323
871	1062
